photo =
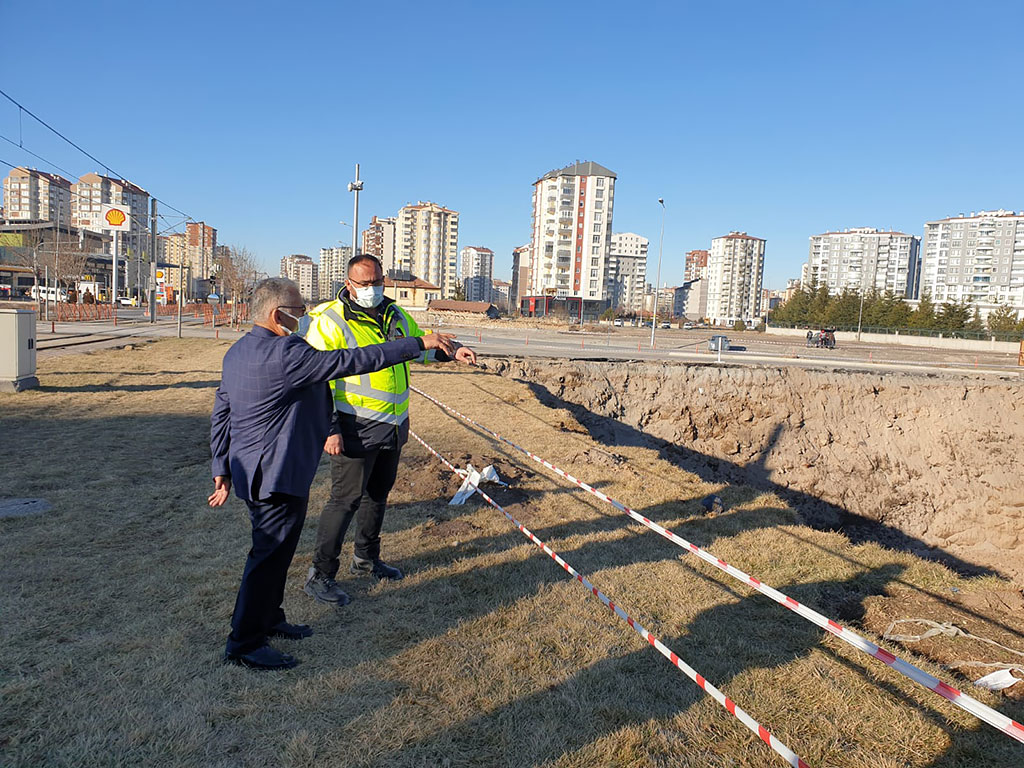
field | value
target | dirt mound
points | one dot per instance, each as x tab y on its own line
927	464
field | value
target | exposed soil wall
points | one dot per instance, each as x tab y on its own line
938	463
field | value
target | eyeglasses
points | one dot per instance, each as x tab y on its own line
375	283
301	307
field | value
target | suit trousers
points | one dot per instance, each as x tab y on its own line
276	525
359	488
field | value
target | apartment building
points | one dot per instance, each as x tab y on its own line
862	259
500	291
520	275
427	242
379	240
476	271
31	195
201	248
572	231
977	258
626	271
735	273
333	270
305	272
696	265
92	191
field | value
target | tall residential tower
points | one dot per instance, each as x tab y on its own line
572	231
735	272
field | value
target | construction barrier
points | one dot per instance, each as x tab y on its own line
67	313
983	712
762	733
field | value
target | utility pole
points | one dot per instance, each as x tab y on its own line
113	272
152	260
355	187
661	249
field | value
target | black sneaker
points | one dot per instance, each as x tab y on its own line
324	589
376	568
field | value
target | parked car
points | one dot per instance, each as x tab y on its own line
665	325
48	293
688	326
718	343
126	301
618	322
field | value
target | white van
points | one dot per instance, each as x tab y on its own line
48	293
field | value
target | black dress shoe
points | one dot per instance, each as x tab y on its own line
263	657
291	631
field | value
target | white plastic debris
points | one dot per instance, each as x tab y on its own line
473	478
996	681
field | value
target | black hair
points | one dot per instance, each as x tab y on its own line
363	257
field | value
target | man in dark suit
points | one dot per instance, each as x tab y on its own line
271	416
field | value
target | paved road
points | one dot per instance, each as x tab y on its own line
613	343
757	349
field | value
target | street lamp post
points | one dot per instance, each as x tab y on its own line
355	187
661	249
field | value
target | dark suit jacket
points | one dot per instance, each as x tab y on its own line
273	408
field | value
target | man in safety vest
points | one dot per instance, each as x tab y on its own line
371	424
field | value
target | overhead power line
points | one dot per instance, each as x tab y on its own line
92	157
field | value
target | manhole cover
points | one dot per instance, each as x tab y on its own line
23	507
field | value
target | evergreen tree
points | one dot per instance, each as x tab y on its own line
817	311
952	317
843	309
1002	319
975	323
897	313
876	308
924	315
793	311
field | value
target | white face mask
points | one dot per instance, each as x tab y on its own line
368	296
298	322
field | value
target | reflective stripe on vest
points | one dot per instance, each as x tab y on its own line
364	388
369	414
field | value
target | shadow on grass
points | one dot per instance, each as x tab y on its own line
54	388
572	714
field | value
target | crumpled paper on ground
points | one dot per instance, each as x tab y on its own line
472	480
996	681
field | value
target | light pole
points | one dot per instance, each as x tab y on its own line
661	249
355	187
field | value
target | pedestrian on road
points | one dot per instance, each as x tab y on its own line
271	415
371	424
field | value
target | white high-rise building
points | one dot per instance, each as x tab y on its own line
735	272
572	231
32	195
427	244
333	270
862	259
977	258
476	271
304	271
92	191
379	241
626	271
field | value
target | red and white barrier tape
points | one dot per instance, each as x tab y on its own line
785	752
983	712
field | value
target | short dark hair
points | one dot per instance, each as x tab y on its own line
363	257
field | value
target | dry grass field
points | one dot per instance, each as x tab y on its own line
115	605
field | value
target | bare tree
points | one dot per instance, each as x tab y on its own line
236	272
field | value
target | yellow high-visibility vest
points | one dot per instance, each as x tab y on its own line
382	396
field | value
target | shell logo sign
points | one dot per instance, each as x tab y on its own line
116	217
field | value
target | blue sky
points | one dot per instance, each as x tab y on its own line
782	119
